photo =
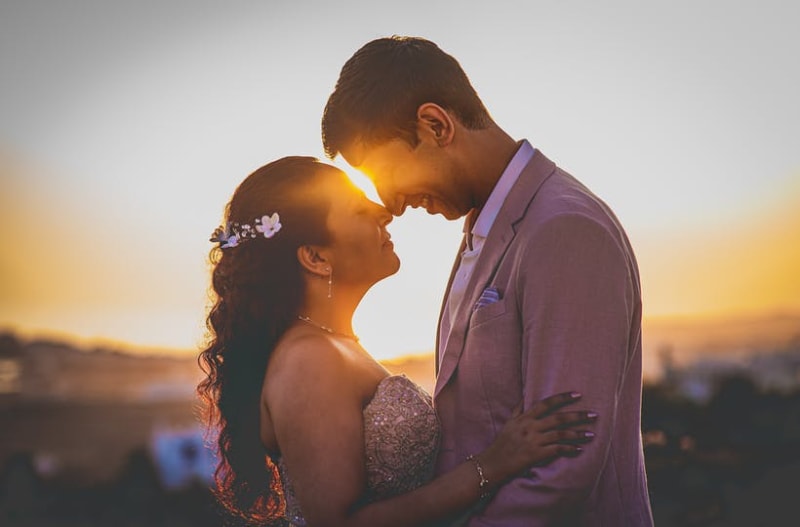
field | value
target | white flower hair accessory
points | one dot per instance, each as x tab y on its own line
269	225
234	233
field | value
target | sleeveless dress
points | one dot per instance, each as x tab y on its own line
401	439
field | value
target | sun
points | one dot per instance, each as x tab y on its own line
358	179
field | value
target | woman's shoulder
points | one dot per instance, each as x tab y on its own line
310	367
305	357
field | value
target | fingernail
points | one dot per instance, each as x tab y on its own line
591	415
575	395
588	434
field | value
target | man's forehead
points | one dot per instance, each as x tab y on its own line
354	153
363	156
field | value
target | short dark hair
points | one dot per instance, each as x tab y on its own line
383	84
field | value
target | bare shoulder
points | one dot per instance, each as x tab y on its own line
307	366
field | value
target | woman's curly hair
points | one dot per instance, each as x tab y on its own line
257	290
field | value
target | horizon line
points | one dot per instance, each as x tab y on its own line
90	343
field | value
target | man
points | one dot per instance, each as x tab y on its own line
544	296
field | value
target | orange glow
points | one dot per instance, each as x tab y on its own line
750	266
69	273
358	179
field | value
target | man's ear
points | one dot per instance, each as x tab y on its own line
311	258
435	124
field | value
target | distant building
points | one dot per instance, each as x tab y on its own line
10	365
44	370
698	380
83	414
182	457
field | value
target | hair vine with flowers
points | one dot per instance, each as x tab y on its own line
234	233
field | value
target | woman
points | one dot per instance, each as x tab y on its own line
311	428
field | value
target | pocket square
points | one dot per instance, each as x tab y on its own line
490	295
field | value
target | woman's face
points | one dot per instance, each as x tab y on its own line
362	252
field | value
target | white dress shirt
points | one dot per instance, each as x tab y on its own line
476	237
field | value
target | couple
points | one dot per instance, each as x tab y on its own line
543	299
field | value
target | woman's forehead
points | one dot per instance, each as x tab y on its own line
341	188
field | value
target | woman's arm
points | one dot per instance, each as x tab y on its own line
319	427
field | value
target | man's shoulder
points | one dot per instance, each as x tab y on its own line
561	195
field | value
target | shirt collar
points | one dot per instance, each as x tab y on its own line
500	191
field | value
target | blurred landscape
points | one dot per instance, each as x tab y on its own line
98	436
126	125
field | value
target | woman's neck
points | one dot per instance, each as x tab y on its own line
334	313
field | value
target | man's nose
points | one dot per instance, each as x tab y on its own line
392	202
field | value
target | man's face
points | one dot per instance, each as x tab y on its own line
424	176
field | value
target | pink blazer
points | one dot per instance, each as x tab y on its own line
568	318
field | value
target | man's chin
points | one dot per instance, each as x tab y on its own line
449	215
432	210
447	212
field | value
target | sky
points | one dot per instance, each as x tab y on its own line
126	126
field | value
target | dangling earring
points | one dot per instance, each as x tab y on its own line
330	282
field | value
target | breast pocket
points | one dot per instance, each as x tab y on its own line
486	313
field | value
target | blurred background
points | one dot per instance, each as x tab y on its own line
125	128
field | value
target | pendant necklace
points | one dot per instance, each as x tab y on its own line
327	329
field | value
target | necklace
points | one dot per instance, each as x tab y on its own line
327	329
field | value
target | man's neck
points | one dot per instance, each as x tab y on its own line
488	152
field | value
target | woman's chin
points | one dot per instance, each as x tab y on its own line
392	269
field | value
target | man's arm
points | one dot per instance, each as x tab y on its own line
577	297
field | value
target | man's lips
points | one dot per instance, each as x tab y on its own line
423	201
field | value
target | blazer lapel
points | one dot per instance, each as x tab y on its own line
444	303
494	248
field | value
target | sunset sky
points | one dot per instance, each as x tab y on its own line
126	126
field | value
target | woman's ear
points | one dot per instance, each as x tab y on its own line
311	258
435	124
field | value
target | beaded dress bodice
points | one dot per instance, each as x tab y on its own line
401	439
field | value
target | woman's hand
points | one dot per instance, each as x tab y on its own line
536	437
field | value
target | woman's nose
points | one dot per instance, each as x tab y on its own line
384	216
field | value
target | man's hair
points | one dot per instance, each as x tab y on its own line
383	84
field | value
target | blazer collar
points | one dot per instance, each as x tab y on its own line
502	232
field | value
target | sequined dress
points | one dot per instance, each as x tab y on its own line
401	436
